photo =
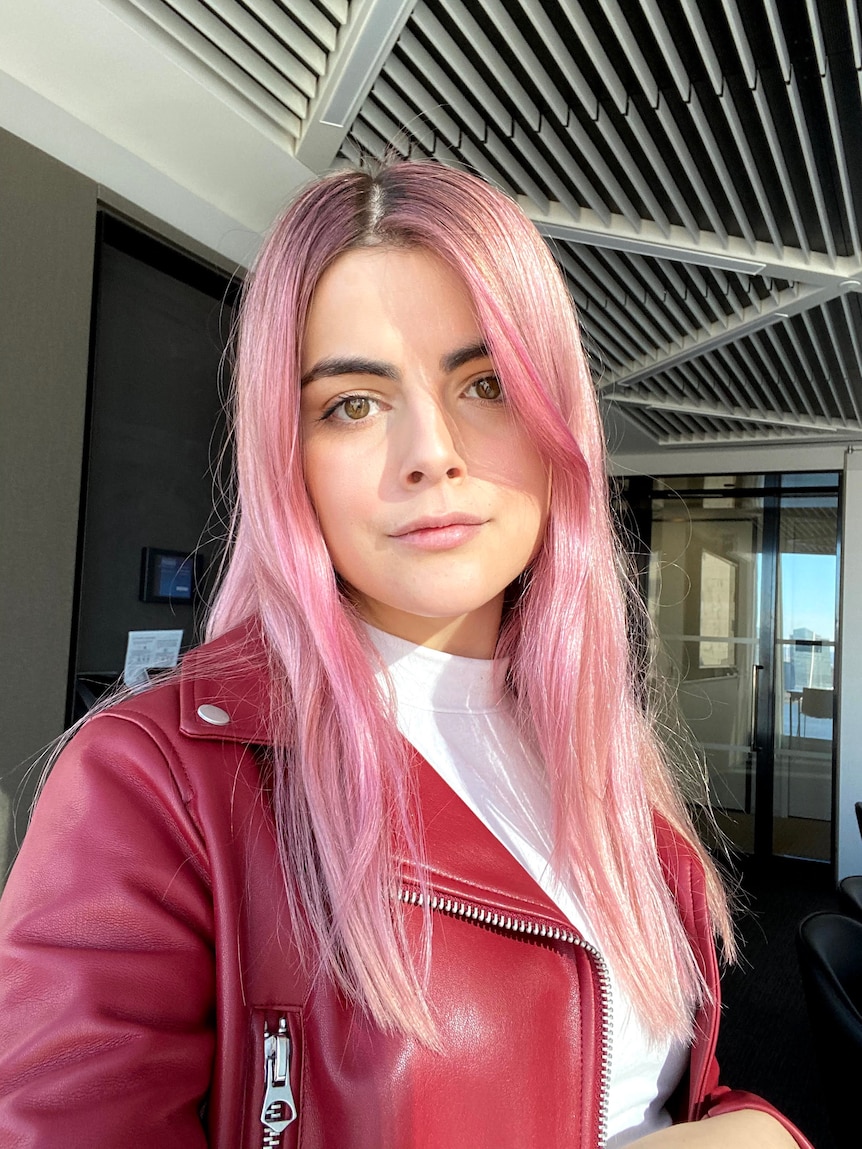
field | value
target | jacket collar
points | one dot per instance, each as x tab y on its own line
229	677
224	688
224	696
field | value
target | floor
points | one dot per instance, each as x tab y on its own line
765	1045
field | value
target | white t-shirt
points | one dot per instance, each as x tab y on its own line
454	711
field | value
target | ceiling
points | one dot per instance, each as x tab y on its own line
696	165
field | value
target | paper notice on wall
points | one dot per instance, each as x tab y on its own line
150	650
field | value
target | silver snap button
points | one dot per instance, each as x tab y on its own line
214	715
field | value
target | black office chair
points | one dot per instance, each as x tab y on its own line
850	897
830	958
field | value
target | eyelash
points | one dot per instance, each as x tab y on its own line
329	412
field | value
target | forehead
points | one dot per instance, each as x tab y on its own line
375	300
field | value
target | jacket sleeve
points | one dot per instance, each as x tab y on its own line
106	957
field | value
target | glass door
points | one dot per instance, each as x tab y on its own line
742	593
805	645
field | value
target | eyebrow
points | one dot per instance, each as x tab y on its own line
358	365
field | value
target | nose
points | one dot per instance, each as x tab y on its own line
431	452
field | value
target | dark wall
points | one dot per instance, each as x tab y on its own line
47	228
155	430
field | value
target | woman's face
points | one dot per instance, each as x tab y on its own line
430	496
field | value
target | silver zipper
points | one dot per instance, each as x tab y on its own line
554	933
279	1108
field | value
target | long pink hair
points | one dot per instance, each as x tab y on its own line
341	789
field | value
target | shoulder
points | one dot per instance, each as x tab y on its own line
219	693
176	736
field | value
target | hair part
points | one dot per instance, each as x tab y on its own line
342	790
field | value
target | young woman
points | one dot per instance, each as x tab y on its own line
395	860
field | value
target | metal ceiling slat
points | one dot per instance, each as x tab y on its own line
687	297
527	58
740	37
397	72
303	72
770	371
366	137
536	163
425	20
638	63
206	52
629	44
417	123
386	127
731	113
595	49
284	88
811	165
720	304
791	371
802	134
567	163
698	382
609	335
597	291
855	32
690	97
723	377
660	30
452	134
666	118
825	367
480	162
633	171
304	13
654	157
853	331
599	320
810	377
338	9
817	37
661	297
431	27
732	367
756	376
835	128
592	44
444	90
452	96
625	299
851	384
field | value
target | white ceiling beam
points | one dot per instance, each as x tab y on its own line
707	250
792	301
363	45
742	414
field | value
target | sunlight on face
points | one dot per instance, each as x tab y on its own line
430	496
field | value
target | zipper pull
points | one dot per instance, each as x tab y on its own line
279	1108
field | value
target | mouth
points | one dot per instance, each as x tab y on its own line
440	532
438	523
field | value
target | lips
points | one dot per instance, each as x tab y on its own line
439	532
438	522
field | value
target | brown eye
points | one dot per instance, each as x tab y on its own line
488	388
356	407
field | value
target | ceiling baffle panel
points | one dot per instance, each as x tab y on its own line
266	57
637	126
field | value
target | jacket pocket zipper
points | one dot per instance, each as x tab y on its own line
279	1107
489	917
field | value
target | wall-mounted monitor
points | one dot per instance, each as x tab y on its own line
169	576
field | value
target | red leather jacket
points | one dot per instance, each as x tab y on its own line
151	993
